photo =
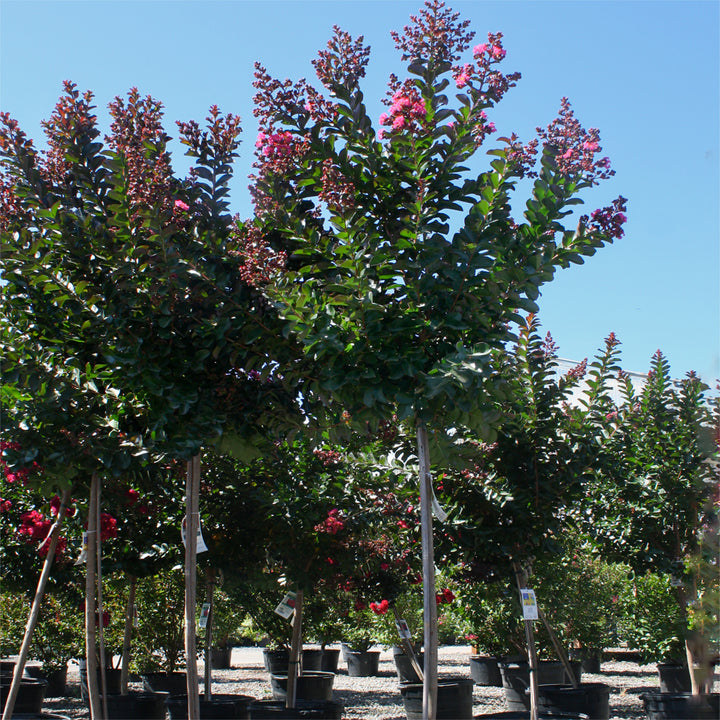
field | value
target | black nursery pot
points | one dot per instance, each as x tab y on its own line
485	671
312	685
525	715
674	678
220	707
454	699
56	680
363	664
174	683
29	700
276	710
137	706
404	667
591	699
681	706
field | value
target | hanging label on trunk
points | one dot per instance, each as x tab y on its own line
287	607
529	604
201	546
403	629
204	614
83	553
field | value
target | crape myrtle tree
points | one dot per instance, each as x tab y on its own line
511	503
400	311
133	329
655	501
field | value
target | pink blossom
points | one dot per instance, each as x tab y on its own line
398	123
462	80
498	52
180	205
480	49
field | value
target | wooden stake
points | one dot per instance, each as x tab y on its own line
127	634
521	580
90	607
53	537
209	599
428	561
100	608
192	491
295	652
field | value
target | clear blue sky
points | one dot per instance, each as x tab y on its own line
646	73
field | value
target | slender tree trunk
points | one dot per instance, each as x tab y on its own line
90	608
191	528
521	580
127	634
430	677
295	651
209	598
52	539
100	607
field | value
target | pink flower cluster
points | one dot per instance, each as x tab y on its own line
328	457
332	524
275	145
407	111
574	147
610	220
380	608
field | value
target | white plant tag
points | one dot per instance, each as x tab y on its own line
201	546
82	558
529	604
287	606
204	614
403	629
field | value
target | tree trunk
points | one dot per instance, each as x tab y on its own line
428	561
521	580
191	527
127	634
90	608
209	593
295	651
100	608
52	538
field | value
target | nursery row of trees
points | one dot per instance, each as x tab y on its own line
363	319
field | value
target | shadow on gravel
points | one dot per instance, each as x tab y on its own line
356	701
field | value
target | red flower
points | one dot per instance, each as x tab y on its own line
380	608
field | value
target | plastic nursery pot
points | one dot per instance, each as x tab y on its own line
276	710
113	678
485	671
681	706
311	685
525	715
591	699
363	664
145	705
404	667
174	683
454	699
674	678
56	680
220	707
29	700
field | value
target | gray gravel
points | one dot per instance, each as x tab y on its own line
378	698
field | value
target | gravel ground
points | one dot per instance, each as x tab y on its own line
378	698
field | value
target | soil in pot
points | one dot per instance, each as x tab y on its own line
315	709
312	685
681	706
220	707
404	667
174	683
485	671
363	664
454	699
29	700
591	699
674	678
